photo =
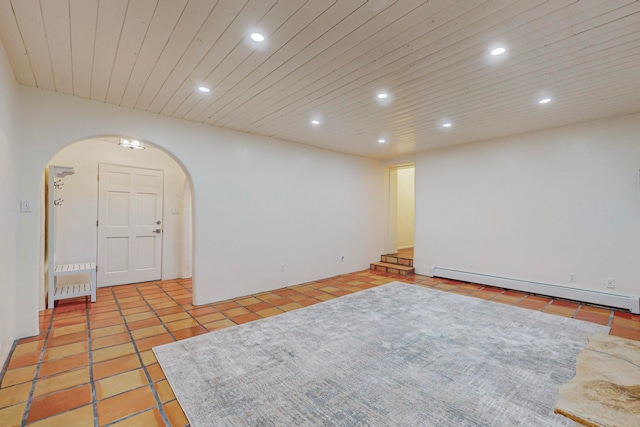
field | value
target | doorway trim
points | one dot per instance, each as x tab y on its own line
188	183
393	215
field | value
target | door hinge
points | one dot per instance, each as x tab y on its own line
96	222
96	268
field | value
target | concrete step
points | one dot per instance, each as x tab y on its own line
403	270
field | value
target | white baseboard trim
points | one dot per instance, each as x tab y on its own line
627	302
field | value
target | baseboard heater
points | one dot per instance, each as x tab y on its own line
628	302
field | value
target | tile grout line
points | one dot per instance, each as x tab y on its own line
164	416
160	317
27	407
186	311
575	313
94	393
55	316
143	366
547	305
610	322
5	367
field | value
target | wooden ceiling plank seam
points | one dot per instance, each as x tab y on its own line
162	24
448	72
82	29
193	18
376	60
484	106
231	38
109	79
551	38
401	48
167	98
179	78
280	66
135	29
486	97
274	18
231	81
509	111
325	23
183	97
425	138
397	61
522	116
185	110
30	21
608	18
111	17
614	57
615	43
48	50
58	33
578	8
334	33
275	91
158	57
11	38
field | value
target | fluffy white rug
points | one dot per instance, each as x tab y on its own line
396	355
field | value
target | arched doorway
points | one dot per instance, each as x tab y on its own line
77	236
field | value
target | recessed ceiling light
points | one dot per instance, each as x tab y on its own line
204	89
544	101
498	51
382	140
446	125
383	95
257	37
315	122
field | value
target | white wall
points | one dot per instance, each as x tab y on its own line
187	231
406	206
536	207
9	211
258	202
76	218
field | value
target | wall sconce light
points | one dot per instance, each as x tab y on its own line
132	144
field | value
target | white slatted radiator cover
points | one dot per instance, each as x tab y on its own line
628	302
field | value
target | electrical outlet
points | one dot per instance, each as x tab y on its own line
572	277
610	283
281	267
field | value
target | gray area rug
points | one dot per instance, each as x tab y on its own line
395	355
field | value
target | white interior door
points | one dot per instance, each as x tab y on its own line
129	225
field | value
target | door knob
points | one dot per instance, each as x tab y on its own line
157	230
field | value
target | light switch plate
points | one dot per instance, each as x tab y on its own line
25	205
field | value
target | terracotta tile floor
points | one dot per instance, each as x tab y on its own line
93	364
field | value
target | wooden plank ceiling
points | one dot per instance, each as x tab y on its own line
328	60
